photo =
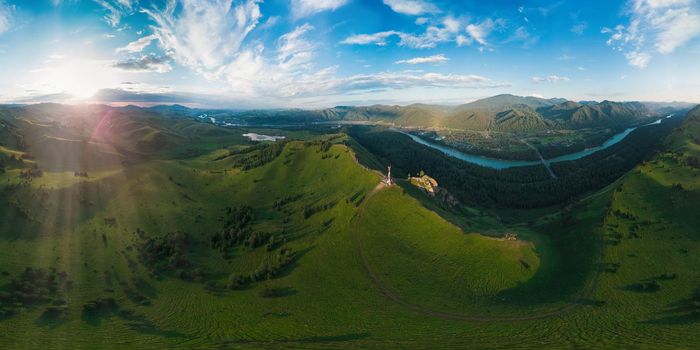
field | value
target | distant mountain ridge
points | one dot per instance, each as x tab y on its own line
506	113
503	113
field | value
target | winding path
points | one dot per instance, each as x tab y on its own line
448	315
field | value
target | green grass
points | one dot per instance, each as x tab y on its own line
412	249
583	256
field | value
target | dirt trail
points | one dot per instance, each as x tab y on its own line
448	315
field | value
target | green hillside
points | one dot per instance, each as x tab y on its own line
294	245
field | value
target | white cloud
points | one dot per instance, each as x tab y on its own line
522	35
655	25
212	38
294	50
549	79
204	35
420	60
565	57
422	20
138	45
463	40
579	28
443	31
480	31
451	24
116	9
638	59
145	63
412	7
378	39
303	8
6	12
393	80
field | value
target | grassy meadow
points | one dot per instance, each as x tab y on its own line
136	264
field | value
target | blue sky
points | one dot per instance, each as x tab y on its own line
319	53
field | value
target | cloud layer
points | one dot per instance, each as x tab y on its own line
145	63
655	26
303	8
429	59
412	7
5	16
550	79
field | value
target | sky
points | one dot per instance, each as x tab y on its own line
320	53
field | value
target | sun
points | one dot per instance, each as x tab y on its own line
79	78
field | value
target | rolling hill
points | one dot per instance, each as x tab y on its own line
294	245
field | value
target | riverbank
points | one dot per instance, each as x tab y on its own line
496	163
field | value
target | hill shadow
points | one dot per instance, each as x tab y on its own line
682	312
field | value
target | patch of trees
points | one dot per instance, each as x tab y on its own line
265	271
33	286
110	222
29	174
521	187
647	286
276	292
133	293
280	203
610	267
693	161
625	215
354	197
549	151
254	156
324	145
310	210
668	276
165	253
238	230
101	307
56	311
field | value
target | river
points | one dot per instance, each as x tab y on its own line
497	163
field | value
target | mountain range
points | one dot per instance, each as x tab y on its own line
503	113
507	113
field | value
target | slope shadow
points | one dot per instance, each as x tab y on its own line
143	325
682	312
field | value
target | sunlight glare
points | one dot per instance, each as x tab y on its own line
78	77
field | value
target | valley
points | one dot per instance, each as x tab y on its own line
349	175
125	228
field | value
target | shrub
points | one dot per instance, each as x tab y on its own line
101	307
236	281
